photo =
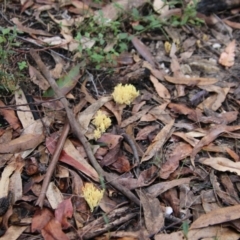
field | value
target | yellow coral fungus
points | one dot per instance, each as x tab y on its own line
124	94
92	195
101	122
97	133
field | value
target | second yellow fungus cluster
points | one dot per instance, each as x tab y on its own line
101	122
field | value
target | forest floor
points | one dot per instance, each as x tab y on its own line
119	120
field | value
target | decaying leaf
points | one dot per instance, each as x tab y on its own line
153	215
158	142
71	156
222	164
64	211
217	216
227	57
160	88
180	151
9	116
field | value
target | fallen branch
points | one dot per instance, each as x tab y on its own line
53	164
76	129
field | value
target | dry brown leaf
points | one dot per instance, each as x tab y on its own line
222	164
159	74
9	116
38	78
227	57
217	216
116	110
181	151
232	154
174	235
211	136
112	140
54	195
153	215
160	88
143	50
25	115
162	187
22	143
148	118
214	232
22	28
144	132
4	182
215	101
13	232
121	165
158	142
159	113
235	25
145	179
189	139
224	196
191	81
135	117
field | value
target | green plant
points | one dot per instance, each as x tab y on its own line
7	44
185	229
102	40
108	41
22	65
189	15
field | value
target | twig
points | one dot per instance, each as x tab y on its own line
76	129
27	104
53	164
134	149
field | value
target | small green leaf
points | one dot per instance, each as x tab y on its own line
66	83
122	35
185	228
138	27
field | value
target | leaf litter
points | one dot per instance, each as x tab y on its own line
165	159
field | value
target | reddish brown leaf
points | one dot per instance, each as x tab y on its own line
9	116
71	156
63	212
40	219
145	179
121	165
53	231
111	156
111	140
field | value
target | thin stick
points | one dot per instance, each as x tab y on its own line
53	164
76	129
